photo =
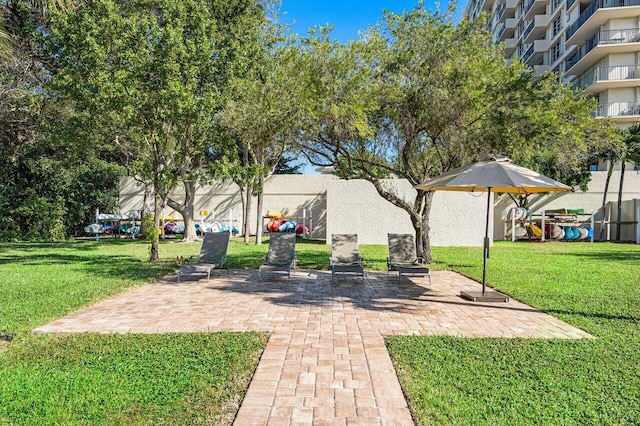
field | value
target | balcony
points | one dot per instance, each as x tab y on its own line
507	10
538	28
501	11
541	46
534	55
527	54
535	7
606	42
622	111
510	46
512	5
616	8
499	33
528	30
509	30
613	76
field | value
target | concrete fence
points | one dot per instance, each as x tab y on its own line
332	205
335	206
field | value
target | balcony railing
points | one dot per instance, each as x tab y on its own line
527	6
501	10
591	9
570	3
528	30
619	72
501	31
527	54
608	37
627	35
618	109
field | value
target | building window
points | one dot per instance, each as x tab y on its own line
556	51
557	25
593	167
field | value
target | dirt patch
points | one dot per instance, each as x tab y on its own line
5	339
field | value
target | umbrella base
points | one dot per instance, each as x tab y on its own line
488	296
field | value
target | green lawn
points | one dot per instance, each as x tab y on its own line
199	378
452	381
108	379
127	379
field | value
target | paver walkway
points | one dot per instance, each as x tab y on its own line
325	362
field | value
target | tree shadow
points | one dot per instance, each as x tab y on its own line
613	256
113	266
379	292
39	246
614	317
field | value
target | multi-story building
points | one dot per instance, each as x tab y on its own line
593	44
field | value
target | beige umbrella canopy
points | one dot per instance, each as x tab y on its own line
491	173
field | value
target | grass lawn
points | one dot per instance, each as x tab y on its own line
199	378
451	380
108	379
127	379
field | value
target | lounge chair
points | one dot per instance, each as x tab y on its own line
213	255
403	257
345	257
281	256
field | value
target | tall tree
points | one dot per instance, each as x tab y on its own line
15	13
264	113
154	73
431	95
52	182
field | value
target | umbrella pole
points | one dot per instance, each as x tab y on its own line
486	244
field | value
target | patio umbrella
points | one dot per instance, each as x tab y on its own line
491	173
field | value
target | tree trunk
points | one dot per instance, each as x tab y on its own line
155	246
259	208
187	210
604	200
422	228
623	166
418	212
247	211
244	211
145	206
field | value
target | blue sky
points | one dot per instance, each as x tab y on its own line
348	16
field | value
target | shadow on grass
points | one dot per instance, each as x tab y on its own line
91	245
616	317
113	266
603	257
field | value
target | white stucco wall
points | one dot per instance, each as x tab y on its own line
338	206
354	206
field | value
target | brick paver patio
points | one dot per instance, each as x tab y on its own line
325	362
